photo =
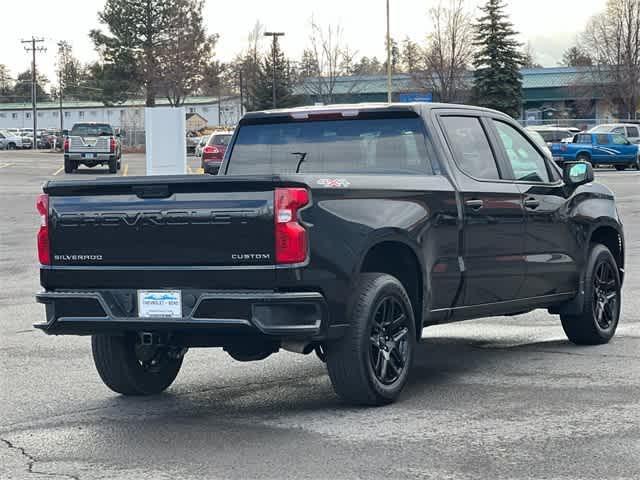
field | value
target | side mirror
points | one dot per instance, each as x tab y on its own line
577	173
65	132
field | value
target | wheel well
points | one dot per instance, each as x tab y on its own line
583	154
398	260
610	238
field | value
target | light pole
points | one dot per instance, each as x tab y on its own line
388	57
275	36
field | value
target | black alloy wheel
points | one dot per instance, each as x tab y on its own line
605	295
389	349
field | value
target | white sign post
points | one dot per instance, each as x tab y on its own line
165	140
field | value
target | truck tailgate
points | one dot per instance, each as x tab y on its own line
162	221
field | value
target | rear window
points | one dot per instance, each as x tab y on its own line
583	138
381	145
220	139
91	130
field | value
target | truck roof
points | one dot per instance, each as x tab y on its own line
369	106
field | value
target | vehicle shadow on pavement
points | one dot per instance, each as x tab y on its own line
91	171
440	362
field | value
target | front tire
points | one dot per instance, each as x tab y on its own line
602	300
583	157
124	370
370	364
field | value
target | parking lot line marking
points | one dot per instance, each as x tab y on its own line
6	165
125	172
58	170
200	170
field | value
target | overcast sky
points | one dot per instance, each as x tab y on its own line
549	25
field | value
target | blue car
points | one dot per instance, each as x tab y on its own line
598	148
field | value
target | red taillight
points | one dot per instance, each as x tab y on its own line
291	237
42	205
65	145
112	145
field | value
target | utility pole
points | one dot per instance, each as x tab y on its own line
275	36
34	85
388	57
62	51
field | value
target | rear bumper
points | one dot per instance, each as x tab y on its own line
211	167
99	157
291	314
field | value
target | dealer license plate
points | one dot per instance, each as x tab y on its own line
89	155
160	303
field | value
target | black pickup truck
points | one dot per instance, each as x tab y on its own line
342	230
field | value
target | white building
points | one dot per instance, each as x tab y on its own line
129	115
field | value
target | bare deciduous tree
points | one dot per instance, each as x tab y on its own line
613	40
448	51
326	59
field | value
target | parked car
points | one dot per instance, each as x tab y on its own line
10	140
629	130
342	230
213	152
201	144
92	144
554	134
192	142
599	148
539	139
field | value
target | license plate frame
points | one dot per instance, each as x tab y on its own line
159	303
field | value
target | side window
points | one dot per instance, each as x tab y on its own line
583	138
619	139
632	132
470	147
619	130
526	162
602	139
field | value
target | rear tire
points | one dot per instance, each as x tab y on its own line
371	363
122	371
113	165
583	157
68	165
11	146
602	301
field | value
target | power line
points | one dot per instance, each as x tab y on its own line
34	85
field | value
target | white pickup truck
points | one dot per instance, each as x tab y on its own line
92	144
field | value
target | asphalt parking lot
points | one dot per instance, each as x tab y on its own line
497	398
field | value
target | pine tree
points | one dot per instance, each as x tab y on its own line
284	76
497	82
412	56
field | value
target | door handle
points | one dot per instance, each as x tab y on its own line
531	203
474	203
